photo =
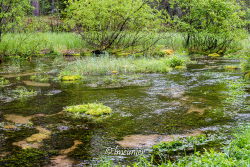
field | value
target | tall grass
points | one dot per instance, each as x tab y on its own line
29	44
34	43
109	64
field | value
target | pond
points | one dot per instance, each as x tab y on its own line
147	109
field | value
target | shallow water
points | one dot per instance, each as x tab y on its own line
173	104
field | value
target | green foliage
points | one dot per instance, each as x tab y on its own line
210	25
105	24
174	61
93	109
186	144
30	44
11	13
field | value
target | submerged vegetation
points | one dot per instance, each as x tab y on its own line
22	93
3	82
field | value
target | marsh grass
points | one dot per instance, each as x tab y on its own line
108	64
30	44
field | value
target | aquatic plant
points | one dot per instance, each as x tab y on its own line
175	61
22	92
26	158
40	78
3	81
186	144
94	109
236	93
107	64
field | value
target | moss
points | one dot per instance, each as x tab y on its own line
214	55
71	77
180	67
26	158
87	53
231	67
114	72
93	109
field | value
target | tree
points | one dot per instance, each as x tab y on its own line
11	13
106	24
210	25
36	5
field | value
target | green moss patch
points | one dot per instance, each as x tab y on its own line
71	77
93	109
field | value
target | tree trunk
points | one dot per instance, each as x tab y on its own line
52	6
35	4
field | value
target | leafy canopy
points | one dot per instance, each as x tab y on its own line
210	24
11	13
103	23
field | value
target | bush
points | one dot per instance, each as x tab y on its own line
210	26
105	24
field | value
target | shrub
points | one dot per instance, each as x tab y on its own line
11	14
105	24
210	26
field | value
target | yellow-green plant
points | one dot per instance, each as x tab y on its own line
94	109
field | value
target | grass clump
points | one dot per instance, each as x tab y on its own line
123	65
177	61
94	109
